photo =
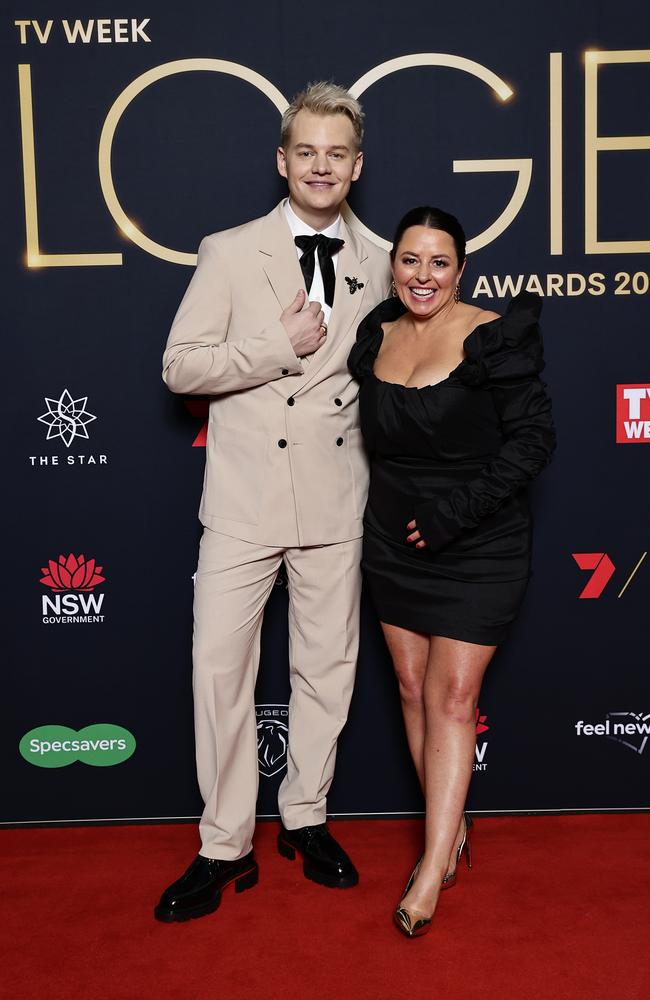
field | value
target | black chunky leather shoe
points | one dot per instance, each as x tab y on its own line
324	861
198	891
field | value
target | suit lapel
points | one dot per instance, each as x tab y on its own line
279	257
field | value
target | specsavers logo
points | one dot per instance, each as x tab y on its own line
101	745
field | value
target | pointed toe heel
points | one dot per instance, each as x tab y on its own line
409	925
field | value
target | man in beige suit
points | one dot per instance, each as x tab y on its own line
285	481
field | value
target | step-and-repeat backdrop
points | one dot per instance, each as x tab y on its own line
132	130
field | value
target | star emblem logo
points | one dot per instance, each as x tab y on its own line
66	418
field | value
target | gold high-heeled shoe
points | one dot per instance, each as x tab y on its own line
449	879
410	925
406	922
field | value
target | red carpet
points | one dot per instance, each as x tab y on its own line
556	908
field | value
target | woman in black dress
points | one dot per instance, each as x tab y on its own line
456	422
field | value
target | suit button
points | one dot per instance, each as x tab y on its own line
338	402
339	441
290	401
285	371
282	443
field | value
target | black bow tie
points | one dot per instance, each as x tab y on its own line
326	249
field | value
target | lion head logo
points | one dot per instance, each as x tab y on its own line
272	738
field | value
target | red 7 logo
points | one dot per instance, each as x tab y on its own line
199	408
603	571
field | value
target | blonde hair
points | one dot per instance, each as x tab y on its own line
323	98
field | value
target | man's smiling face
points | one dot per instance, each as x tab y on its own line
320	161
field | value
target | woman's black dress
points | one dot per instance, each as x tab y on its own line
456	456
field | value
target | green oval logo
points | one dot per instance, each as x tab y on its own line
100	745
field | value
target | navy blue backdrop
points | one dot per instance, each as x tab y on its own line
532	124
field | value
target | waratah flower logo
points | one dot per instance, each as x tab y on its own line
480	723
72	573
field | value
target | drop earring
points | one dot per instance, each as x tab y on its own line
393	289
457	293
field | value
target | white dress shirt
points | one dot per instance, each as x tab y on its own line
300	228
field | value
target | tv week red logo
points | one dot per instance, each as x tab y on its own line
633	414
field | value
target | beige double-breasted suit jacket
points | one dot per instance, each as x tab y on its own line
285	480
276	474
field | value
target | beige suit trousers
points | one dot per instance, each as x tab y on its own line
233	582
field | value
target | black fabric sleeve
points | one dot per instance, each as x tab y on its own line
529	441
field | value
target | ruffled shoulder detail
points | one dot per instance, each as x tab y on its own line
370	335
506	348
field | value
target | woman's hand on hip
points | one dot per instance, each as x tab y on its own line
415	536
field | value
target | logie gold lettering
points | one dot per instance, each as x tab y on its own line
522	167
34	256
129	93
595	143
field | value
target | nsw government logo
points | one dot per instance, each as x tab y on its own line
272	738
72	580
480	763
632	729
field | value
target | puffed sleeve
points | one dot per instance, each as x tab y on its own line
361	358
506	356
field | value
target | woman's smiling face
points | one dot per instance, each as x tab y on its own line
426	270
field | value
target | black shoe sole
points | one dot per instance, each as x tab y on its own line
346	882
169	916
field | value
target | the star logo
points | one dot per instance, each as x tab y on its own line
66	418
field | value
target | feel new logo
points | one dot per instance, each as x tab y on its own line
100	745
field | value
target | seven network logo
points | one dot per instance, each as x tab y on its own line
72	580
101	745
67	420
602	570
480	763
632	729
633	414
272	738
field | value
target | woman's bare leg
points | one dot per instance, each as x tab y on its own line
452	685
410	653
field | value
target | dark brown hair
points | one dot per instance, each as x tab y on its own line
432	218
